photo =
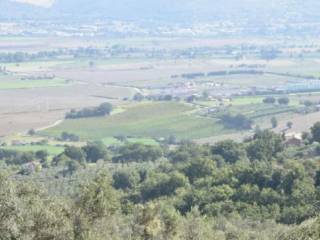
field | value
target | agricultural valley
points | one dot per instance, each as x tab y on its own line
191	122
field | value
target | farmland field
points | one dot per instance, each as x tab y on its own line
296	99
247	100
144	120
29	84
52	150
155	69
34	66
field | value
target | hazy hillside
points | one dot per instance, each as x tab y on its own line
253	10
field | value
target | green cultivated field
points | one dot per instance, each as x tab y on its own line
145	120
52	150
258	112
247	100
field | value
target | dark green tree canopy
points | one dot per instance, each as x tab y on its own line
229	150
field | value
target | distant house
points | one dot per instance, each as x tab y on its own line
294	142
293	139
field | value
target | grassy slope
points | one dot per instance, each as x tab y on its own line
143	120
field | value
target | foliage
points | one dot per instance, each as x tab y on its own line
307	230
229	150
239	121
265	145
28	213
95	151
283	101
315	132
102	110
255	189
65	136
274	122
270	100
135	152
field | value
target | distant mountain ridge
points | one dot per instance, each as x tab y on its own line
169	10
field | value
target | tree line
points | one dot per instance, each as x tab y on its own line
102	110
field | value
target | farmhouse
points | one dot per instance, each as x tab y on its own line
293	139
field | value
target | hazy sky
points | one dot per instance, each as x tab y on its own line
42	3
